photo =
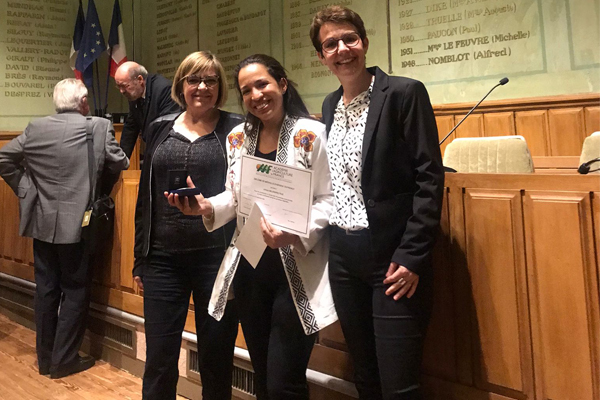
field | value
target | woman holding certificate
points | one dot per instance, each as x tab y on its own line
174	254
286	299
387	178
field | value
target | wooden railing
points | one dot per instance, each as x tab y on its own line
552	126
516	286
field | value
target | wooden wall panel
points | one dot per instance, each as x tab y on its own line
439	358
596	216
127	229
15	246
3	227
134	161
444	126
332	336
592	120
564	294
472	127
16	253
107	265
496	259
533	126
567	128
7	136
332	362
10	220
463	301
114	265
499	124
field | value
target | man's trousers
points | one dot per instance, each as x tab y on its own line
62	296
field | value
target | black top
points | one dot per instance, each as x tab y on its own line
267	156
160	130
172	231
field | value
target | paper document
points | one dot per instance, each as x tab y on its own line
284	193
250	240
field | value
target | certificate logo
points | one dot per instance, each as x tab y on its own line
264	168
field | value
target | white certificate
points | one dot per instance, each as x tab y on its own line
283	192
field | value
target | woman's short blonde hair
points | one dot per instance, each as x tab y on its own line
194	63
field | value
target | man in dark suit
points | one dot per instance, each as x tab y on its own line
149	97
47	168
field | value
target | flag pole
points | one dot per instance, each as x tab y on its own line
107	78
94	97
98	111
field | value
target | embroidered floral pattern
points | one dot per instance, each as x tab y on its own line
305	139
236	140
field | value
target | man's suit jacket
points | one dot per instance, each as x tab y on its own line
157	102
402	173
47	168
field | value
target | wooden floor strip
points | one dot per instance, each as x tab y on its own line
19	377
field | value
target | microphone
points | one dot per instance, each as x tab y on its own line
585	167
502	82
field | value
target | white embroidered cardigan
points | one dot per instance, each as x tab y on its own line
302	143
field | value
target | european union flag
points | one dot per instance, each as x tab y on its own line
92	44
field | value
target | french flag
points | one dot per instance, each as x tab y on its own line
116	40
77	36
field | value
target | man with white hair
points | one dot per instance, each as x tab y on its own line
47	168
149	97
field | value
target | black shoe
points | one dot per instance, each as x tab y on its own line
80	364
45	370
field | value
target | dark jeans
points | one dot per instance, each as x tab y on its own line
384	336
168	282
278	347
62	278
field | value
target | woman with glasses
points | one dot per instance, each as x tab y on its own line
175	256
387	178
286	299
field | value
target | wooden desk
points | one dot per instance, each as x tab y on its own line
516	312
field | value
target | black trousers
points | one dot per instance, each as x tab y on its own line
278	347
384	336
63	281
169	280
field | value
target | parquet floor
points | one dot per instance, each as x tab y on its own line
20	380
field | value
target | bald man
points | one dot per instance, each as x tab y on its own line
149	97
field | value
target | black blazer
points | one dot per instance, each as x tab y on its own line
160	129
157	102
402	177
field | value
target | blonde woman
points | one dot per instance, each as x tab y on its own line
175	256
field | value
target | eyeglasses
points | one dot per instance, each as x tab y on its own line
350	39
209	81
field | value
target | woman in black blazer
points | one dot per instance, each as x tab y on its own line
388	180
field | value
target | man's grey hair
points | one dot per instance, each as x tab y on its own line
138	70
68	95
